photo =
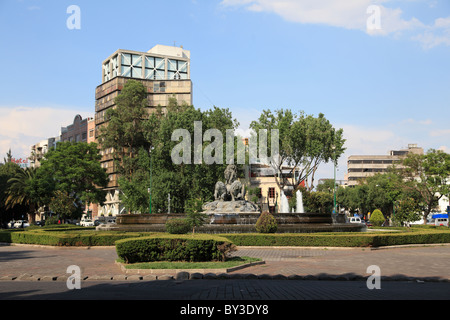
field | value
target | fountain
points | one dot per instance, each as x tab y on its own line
300	208
231	213
284	207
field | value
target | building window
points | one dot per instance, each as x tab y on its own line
271	192
107	72
91	133
155	68
177	69
131	65
159	87
114	66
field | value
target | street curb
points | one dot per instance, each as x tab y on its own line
183	275
176	271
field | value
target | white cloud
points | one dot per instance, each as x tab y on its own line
440	133
436	34
21	127
417	122
370	141
352	14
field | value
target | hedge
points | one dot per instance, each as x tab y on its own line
60	237
65	238
341	239
178	226
162	247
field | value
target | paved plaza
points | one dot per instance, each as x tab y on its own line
408	272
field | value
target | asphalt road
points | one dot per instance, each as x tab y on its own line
229	290
412	273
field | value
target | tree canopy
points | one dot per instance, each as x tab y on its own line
74	167
426	176
305	142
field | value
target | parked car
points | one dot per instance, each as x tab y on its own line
40	223
367	222
21	224
11	224
87	223
111	221
355	220
441	222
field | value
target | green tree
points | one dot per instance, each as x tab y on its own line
266	223
377	218
382	191
75	168
427	176
194	215
134	190
327	185
406	211
354	199
186	180
314	201
126	130
63	204
305	142
7	171
21	191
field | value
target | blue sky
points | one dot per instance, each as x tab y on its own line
386	87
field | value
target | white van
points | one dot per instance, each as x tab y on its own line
355	220
441	222
87	223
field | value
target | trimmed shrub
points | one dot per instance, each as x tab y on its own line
173	248
341	240
53	237
178	226
266	223
377	218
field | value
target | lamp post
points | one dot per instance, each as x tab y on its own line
150	189
169	203
334	183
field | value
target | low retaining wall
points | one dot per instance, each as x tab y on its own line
240	223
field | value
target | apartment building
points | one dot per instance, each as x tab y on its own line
77	131
38	150
163	70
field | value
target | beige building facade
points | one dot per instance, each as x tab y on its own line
261	177
165	73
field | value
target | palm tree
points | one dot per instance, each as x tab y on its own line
21	192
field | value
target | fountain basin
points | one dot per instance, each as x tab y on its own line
240	223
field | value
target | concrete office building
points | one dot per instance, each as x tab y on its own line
363	166
164	71
91	208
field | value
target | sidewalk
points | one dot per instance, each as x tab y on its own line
420	263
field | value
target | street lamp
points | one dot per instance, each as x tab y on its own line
150	188
334	183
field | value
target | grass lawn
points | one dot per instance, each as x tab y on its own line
231	262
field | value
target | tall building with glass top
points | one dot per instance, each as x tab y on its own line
163	70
